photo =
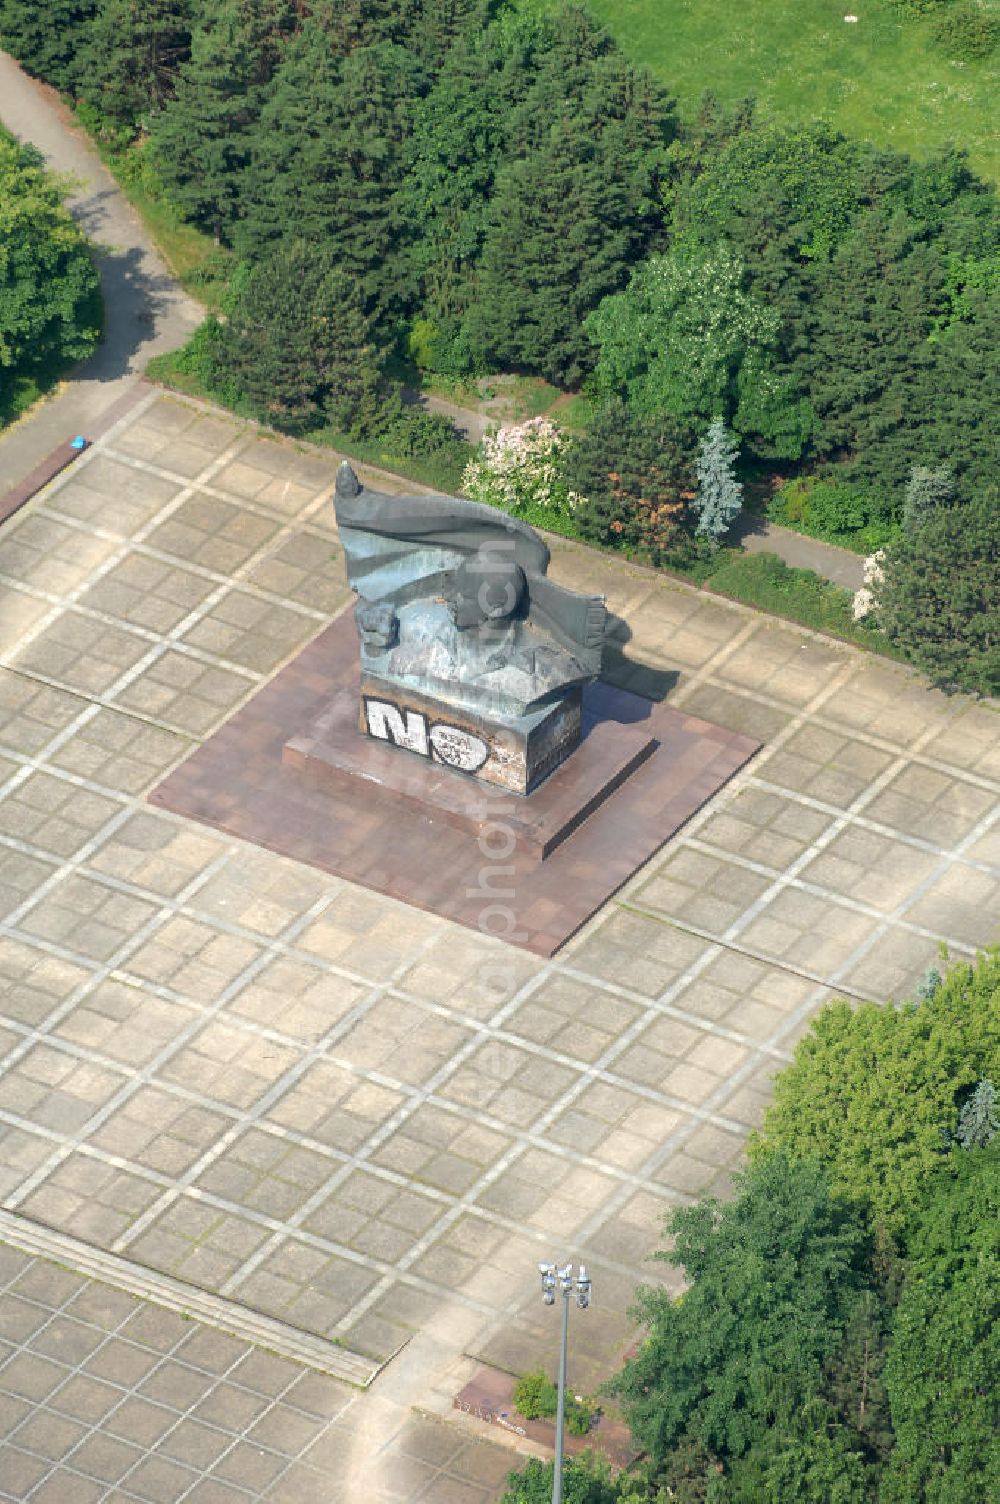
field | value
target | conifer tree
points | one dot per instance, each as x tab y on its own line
576	201
48	37
928	984
636	479
437	25
451	160
201	141
296	343
979	1120
866	362
292	178
134	51
351	24
562	229
719	498
327	161
926	490
939	597
567	63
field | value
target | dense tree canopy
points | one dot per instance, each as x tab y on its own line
203	141
327	159
774	1278
510	192
559	236
451	162
871	1089
870	263
575	202
807	1361
49	297
133	52
48	38
943	1373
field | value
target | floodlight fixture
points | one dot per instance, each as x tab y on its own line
562	1275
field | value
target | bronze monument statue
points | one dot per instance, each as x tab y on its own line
470	655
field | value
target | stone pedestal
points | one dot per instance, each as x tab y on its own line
331	750
514	755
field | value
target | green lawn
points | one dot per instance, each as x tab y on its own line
881	79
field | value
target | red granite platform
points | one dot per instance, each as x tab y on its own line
608	754
346	823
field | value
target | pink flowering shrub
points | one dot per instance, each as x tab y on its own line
519	470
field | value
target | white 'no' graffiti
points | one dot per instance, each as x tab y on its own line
452	745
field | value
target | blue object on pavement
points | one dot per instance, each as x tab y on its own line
79	442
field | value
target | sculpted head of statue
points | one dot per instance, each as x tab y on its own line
486	587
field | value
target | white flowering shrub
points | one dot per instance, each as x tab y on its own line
518	469
866	599
864	603
872	568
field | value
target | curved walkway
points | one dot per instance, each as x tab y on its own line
840	565
146	310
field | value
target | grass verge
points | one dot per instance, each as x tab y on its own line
442	471
20	392
767	582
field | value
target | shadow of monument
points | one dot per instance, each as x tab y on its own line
621	672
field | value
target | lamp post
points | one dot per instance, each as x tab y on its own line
561	1277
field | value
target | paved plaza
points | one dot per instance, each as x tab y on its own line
348	1120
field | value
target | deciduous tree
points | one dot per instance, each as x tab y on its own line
686	338
49	291
943	1372
773	1277
871	1089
